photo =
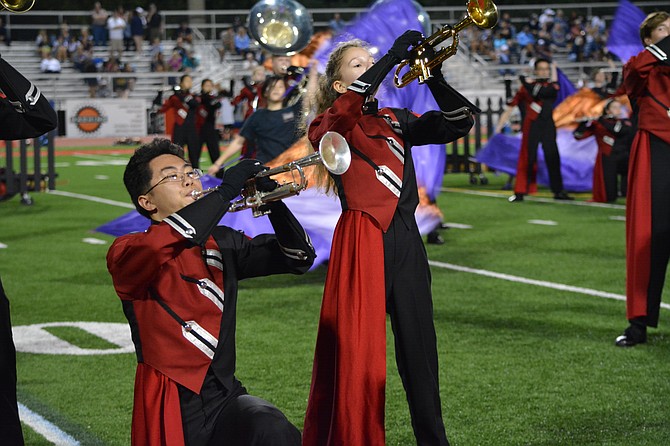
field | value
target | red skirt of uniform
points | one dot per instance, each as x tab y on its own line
346	401
156	410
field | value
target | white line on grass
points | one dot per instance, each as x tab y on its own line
45	428
92	198
533	198
542	283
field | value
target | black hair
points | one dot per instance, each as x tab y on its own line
270	82
137	176
540	60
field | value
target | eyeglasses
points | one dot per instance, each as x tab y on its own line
174	177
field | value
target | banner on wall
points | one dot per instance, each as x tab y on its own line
105	117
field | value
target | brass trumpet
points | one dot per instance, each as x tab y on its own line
17	6
420	65
333	153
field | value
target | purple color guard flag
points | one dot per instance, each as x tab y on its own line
624	39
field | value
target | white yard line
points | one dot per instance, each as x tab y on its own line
45	428
92	198
542	283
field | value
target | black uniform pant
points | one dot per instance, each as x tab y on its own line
186	135
615	174
410	306
209	136
10	426
545	133
660	225
222	417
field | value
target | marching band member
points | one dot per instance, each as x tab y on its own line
24	113
210	104
181	108
378	262
612	133
178	283
647	84
536	99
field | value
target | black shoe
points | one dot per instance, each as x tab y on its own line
435	239
633	335
562	196
515	197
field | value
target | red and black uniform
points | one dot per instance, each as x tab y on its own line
183	106
610	172
378	264
647	84
178	283
536	102
206	123
24	113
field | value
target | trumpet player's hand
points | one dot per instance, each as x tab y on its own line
235	177
401	47
266	184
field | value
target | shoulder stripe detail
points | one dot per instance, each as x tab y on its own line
657	52
180	225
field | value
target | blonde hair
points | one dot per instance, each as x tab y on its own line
326	96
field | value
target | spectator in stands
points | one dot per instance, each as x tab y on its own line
546	19
175	63
80	58
43	43
61	46
242	40
227	43
4	33
99	24
92	66
116	25
249	62
336	24
525	37
50	64
137	29
86	39
159	64
122	86
185	33
154	23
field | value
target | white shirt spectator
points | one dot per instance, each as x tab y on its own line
50	65
116	25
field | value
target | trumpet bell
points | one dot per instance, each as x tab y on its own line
17	6
280	26
335	153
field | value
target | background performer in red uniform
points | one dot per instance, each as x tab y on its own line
646	78
612	133
378	262
536	99
178	285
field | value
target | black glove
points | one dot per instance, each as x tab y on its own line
266	184
235	177
436	71
399	51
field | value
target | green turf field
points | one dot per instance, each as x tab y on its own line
526	315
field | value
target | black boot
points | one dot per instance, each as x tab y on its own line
636	333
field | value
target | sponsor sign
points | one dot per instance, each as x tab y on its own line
106	117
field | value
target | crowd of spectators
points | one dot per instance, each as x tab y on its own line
575	37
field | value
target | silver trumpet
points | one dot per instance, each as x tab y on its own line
333	153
